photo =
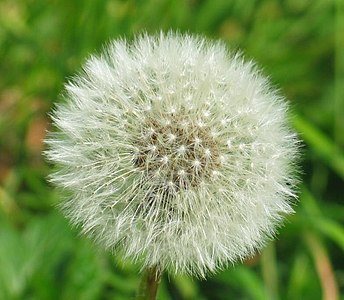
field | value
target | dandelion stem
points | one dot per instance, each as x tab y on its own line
149	284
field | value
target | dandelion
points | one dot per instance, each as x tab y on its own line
175	153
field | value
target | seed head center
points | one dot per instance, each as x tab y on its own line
176	151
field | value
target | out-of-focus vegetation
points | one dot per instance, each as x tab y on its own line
299	43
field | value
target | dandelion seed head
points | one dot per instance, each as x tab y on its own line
175	152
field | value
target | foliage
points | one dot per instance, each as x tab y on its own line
300	44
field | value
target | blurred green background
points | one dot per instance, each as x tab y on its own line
299	43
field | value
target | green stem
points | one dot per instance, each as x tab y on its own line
149	284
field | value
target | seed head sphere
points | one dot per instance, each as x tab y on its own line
174	152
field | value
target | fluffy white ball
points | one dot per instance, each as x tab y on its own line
174	152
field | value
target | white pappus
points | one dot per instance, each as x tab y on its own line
174	152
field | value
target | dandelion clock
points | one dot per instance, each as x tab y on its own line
175	153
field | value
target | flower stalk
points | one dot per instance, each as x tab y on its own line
149	284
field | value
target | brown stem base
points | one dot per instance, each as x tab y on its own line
149	284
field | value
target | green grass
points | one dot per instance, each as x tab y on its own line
299	43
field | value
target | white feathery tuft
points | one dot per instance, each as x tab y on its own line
174	152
